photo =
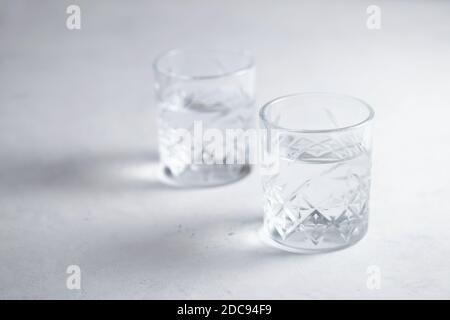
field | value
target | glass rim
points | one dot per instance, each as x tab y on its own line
269	123
234	71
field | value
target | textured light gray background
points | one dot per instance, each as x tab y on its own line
78	150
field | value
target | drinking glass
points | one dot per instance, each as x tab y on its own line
200	90
318	197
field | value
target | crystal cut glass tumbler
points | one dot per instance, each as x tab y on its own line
318	197
203	93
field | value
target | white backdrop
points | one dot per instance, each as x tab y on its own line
78	150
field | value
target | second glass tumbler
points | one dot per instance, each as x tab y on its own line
200	92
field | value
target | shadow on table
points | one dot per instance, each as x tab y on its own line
201	244
188	254
82	173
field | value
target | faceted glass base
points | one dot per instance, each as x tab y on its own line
205	175
302	243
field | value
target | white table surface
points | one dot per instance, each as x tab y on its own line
78	150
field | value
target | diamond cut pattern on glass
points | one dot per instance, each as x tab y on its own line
332	203
325	148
